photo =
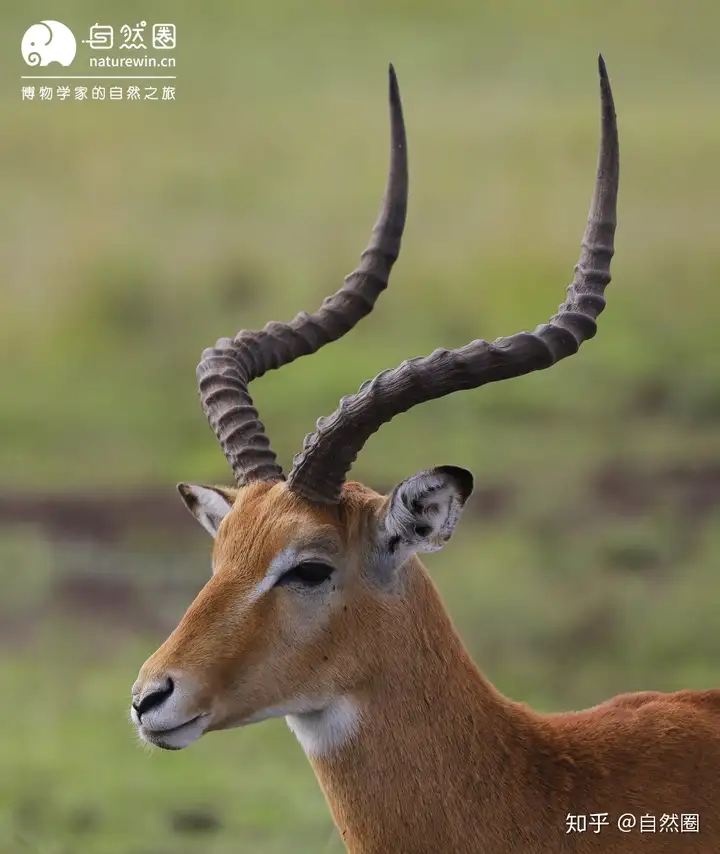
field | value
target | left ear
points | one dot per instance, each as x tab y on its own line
421	513
208	504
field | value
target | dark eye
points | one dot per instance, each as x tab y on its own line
309	572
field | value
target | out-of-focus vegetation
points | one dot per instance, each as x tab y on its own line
134	235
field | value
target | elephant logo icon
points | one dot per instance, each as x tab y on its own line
48	41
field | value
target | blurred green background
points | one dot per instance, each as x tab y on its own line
134	235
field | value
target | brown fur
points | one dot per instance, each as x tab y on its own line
442	762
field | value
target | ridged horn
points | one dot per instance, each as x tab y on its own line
320	469
226	370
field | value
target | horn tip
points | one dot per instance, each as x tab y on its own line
601	67
392	77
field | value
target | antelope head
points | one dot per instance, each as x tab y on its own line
312	576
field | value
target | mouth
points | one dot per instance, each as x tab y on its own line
175	738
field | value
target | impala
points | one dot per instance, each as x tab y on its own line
319	610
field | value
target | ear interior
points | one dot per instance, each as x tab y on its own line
423	510
208	504
461	479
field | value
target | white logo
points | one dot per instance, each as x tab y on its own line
48	41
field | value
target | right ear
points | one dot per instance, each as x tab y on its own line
421	513
208	504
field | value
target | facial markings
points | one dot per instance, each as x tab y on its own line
315	547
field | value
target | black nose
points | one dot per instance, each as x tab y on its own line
154	698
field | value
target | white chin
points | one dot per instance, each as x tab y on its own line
177	738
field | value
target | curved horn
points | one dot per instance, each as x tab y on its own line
226	370
319	470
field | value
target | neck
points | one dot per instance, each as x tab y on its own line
426	755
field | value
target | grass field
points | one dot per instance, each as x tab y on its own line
133	235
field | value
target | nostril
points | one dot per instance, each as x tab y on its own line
154	697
